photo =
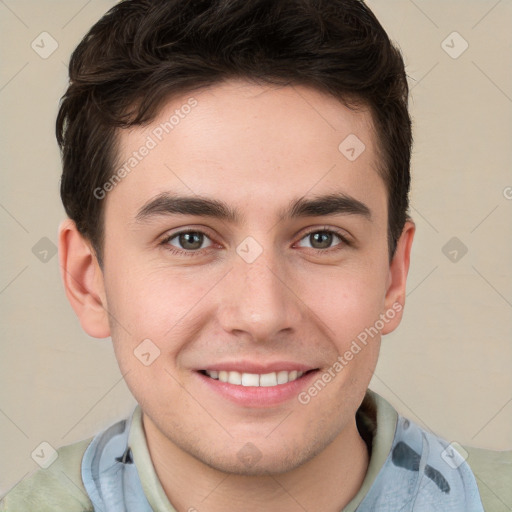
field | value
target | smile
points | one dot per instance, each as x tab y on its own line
254	379
253	385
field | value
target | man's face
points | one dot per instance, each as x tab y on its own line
271	289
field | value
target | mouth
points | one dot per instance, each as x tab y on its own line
250	385
272	379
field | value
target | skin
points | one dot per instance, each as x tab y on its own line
256	148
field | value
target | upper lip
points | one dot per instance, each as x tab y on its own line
258	368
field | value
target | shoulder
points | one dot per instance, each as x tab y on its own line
57	488
493	473
439	475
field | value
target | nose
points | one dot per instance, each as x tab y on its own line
258	300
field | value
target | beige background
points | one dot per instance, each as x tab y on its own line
449	365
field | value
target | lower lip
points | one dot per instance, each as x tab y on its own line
258	396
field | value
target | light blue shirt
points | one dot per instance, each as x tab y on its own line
421	473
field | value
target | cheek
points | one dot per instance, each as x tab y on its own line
162	306
151	304
148	313
347	300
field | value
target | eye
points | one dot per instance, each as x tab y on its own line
187	241
323	239
192	242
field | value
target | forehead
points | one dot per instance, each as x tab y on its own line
250	145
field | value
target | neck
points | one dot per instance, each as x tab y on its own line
327	482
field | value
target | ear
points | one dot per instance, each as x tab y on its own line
398	270
83	280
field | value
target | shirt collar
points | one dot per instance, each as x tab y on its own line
386	421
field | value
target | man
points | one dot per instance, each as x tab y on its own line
236	177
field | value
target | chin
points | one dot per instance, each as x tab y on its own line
249	460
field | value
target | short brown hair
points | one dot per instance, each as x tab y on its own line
143	52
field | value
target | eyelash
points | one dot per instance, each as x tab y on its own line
183	252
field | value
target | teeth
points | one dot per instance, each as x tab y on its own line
235	378
268	379
250	379
282	377
254	379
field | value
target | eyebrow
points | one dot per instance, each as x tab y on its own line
330	204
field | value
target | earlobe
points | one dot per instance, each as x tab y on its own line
83	280
398	270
